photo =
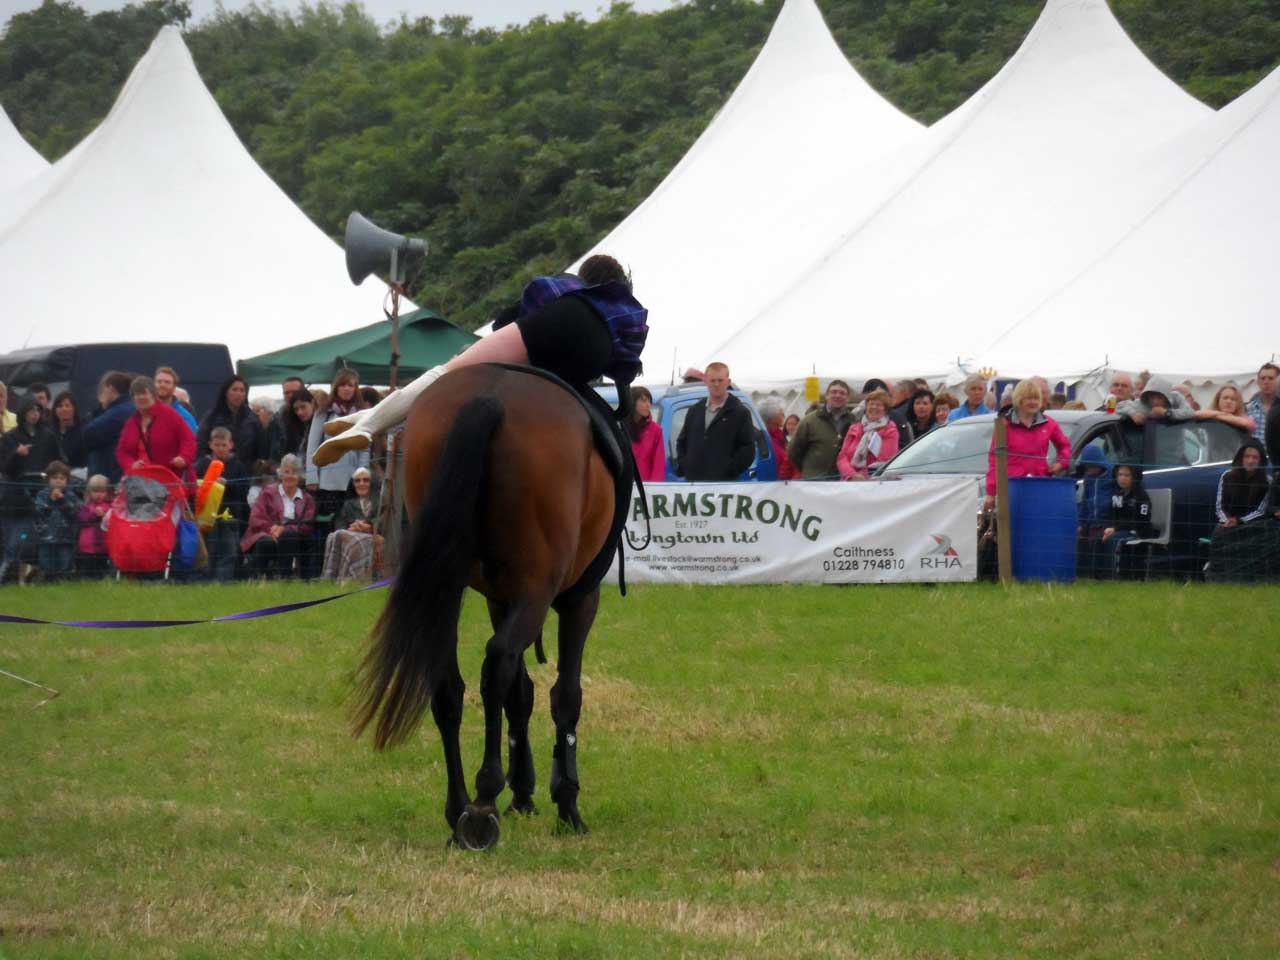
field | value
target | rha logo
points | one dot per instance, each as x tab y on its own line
942	555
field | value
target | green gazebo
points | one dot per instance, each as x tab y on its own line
426	339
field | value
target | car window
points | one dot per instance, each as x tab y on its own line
956	448
1110	440
1221	440
1131	445
1193	443
959	447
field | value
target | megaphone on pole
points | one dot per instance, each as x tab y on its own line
370	248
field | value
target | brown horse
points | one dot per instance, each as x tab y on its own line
510	498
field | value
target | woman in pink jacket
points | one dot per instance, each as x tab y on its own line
871	440
646	438
1030	433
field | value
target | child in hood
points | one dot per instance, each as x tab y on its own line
1243	494
1130	516
1093	506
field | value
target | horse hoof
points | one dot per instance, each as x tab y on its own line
477	828
572	825
525	808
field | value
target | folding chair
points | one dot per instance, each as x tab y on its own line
1162	520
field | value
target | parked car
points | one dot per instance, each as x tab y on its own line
671	405
1186	458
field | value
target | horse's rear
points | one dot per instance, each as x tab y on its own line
508	497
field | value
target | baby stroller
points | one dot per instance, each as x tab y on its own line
149	528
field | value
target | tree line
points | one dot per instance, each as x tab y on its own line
515	150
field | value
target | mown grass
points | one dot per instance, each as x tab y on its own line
961	771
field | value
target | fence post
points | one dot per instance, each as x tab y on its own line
1004	535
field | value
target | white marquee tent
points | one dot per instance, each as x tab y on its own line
999	203
1193	286
19	161
161	225
752	199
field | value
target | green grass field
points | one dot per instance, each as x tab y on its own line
962	771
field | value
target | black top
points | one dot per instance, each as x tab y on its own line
720	450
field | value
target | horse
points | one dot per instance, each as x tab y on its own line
510	497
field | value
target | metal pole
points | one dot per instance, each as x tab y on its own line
1004	536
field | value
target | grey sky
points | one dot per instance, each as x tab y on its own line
483	13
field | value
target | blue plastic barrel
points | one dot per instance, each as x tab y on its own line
1042	513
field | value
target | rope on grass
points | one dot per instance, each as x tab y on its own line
244	615
52	692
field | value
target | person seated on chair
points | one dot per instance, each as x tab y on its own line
1128	519
280	523
56	509
1093	505
351	550
871	440
1243	491
223	541
717	440
577	327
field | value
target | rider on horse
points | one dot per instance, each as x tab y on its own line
579	327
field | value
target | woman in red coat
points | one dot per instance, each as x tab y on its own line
156	433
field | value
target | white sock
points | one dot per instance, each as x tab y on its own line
392	411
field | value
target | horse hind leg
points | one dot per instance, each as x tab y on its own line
500	672
446	709
576	618
521	775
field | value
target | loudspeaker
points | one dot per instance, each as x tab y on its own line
370	248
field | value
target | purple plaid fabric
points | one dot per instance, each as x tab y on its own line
627	319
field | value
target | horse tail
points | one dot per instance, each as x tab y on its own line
418	630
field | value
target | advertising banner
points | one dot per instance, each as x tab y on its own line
891	531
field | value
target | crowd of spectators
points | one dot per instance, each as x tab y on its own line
843	436
283	516
61	476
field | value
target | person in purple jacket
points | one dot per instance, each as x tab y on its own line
579	327
1030	432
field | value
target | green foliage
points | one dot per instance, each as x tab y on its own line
515	150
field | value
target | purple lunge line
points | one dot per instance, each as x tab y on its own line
245	615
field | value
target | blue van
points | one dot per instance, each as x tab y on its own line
670	407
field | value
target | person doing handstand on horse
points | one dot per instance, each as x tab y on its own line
578	327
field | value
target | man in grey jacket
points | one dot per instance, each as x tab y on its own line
1158	400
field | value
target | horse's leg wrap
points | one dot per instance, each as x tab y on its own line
564	767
